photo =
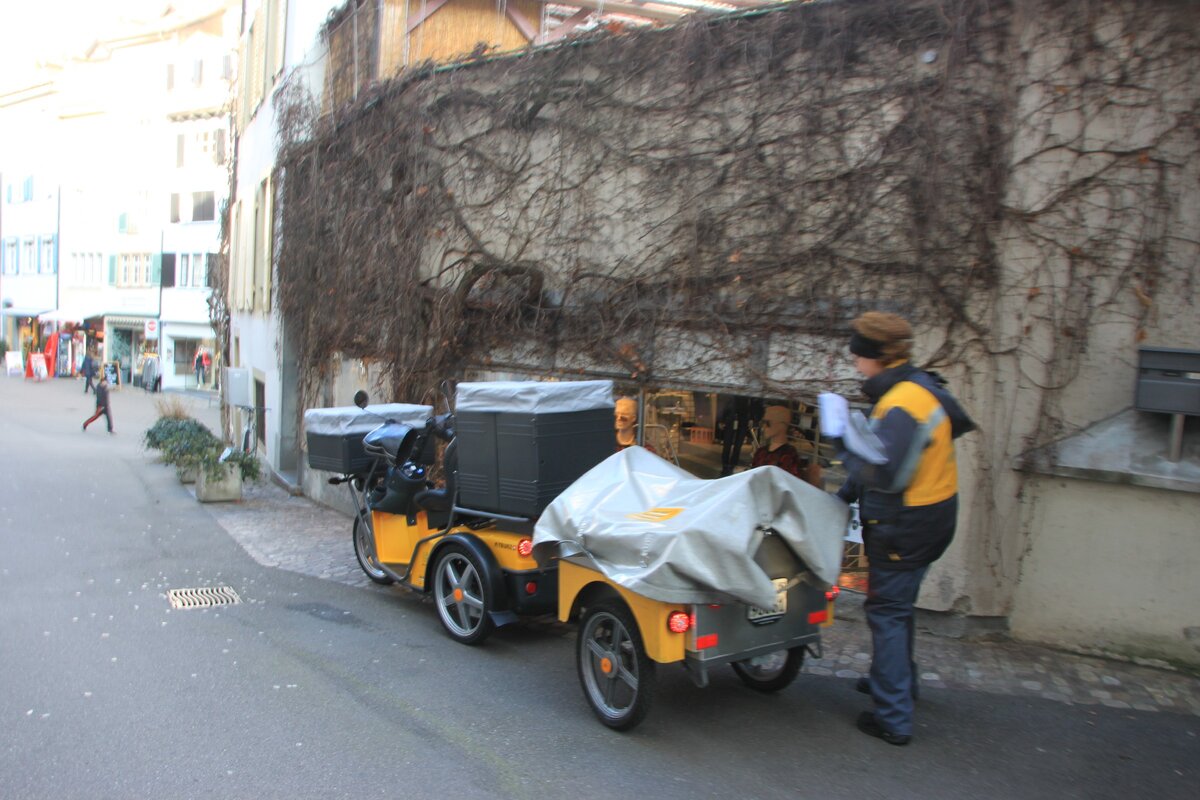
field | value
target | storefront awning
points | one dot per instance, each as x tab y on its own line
35	311
70	314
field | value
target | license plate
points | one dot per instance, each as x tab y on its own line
760	616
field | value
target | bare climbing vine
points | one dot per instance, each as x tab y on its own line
709	205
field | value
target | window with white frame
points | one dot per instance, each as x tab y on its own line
183	271
126	269
10	257
46	264
28	263
198	260
204	206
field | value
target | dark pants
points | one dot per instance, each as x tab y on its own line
891	594
107	417
88	385
731	446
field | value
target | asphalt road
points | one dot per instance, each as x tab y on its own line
313	689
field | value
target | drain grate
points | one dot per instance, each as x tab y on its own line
204	597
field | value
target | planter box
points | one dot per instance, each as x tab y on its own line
223	490
186	475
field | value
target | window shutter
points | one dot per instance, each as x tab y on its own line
175	207
156	262
112	270
167	275
170	77
179	140
210	269
219	147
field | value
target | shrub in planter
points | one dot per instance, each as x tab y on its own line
221	475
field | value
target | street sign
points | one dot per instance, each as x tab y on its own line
151	328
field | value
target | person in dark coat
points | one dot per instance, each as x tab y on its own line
102	406
88	371
908	505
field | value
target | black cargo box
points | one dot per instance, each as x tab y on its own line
521	443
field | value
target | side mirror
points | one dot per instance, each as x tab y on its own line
361	399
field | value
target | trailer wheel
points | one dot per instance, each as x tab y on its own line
461	594
615	672
364	551
772	671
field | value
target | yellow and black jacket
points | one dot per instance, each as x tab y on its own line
909	503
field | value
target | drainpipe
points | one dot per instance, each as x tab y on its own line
162	257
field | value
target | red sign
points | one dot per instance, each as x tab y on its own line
151	327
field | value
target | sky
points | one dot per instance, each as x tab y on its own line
34	30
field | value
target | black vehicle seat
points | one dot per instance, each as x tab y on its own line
392	440
436	500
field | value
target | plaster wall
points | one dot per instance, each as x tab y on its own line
1111	568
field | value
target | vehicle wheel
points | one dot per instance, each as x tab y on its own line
616	674
462	597
772	671
364	551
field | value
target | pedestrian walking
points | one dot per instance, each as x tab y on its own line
88	371
207	363
102	406
908	505
198	367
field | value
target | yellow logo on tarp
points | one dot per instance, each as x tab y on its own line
656	514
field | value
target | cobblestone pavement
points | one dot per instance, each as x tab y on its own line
296	534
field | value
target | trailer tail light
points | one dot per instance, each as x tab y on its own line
706	641
832	594
524	548
678	622
531	587
817	617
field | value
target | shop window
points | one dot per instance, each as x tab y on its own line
185	355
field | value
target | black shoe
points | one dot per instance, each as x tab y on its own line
871	727
863	686
84	428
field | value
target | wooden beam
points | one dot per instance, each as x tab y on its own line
625	9
424	14
521	21
567	25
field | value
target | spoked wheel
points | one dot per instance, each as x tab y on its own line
364	551
772	671
616	674
462	596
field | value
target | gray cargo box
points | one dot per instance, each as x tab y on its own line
521	444
334	435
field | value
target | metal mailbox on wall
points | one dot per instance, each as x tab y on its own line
1168	381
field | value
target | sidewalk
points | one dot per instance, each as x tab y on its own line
299	535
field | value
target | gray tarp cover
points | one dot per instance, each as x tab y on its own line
661	532
352	419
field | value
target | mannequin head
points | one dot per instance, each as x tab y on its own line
626	421
776	420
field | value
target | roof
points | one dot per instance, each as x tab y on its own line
580	16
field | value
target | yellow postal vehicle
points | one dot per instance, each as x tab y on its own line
508	449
